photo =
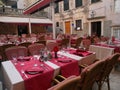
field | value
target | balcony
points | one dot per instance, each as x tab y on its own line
8	11
10	2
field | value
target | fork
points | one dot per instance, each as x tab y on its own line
22	71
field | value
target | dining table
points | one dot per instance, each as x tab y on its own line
102	50
32	73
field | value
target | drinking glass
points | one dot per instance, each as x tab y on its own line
35	60
14	60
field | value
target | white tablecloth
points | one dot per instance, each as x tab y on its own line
101	51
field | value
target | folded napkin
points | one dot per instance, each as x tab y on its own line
80	50
23	58
34	70
64	60
82	53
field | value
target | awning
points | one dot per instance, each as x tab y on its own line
36	6
19	20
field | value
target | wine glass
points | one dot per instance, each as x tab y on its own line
35	60
22	60
14	58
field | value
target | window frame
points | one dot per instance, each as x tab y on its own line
57	7
77	25
95	1
66	5
116	9
116	32
78	5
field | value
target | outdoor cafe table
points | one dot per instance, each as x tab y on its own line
102	51
15	80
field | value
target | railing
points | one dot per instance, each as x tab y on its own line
19	12
7	10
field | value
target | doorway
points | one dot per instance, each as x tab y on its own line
67	27
96	28
22	29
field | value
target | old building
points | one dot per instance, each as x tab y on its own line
90	17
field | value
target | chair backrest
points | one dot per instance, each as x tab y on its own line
34	49
3	48
78	42
67	84
86	43
16	51
51	45
90	73
41	42
65	42
26	44
84	81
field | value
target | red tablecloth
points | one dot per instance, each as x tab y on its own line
79	52
40	81
68	66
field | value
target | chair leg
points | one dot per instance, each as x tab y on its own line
108	83
99	85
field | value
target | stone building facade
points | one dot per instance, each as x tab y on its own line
100	17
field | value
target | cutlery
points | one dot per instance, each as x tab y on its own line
24	73
43	66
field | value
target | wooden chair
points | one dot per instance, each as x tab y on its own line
2	50
41	42
51	45
77	44
87	43
86	80
26	44
68	84
65	42
16	51
104	77
34	49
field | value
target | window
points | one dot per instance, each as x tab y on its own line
116	32
66	5
78	3
57	24
57	8
117	6
78	24
94	1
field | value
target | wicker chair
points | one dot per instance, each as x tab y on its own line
78	42
86	79
2	50
51	45
16	51
70	83
34	49
26	44
64	42
104	77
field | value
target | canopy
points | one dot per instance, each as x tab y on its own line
24	20
38	5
